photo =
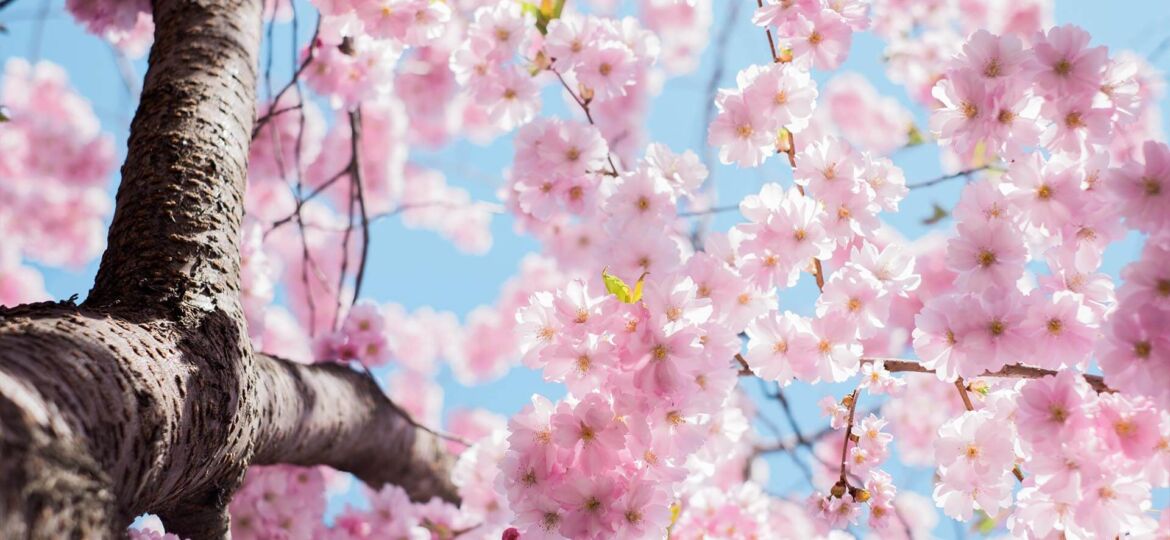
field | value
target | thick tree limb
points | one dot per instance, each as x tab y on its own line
107	419
148	397
328	414
173	243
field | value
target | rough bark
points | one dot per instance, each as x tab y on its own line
148	396
314	410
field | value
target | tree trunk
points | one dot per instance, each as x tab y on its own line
148	396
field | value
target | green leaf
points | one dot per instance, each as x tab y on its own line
638	287
914	136
984	525
939	214
558	7
546	12
618	288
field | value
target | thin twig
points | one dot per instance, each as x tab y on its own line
818	269
126	72
584	104
780	397
966	173
355	122
771	42
38	32
848	435
300	202
744	370
961	386
345	235
1158	51
406	207
296	77
787	449
709	211
306	260
1014	371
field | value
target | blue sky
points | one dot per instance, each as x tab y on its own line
417	268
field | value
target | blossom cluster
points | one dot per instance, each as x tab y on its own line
648	381
648	320
768	99
52	204
127	24
813	33
1090	460
1064	210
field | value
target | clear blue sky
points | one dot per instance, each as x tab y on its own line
417	268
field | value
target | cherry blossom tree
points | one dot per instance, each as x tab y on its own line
999	355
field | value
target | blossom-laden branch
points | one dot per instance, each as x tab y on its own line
148	397
583	102
771	41
842	486
1011	371
961	386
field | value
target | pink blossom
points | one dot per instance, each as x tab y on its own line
606	70
837	353
790	236
1062	331
1065	65
1142	189
127	24
821	39
965	113
684	172
975	442
998	335
986	256
411	21
512	98
572	148
1075	126
868	120
939	331
780	347
961	490
1135	354
592	430
877	380
782	94
858	297
643	510
742	136
1052	407
1129	425
994	57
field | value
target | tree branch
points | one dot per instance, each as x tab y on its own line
329	414
148	397
173	240
965	173
1016	371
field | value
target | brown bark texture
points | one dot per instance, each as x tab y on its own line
148	397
